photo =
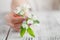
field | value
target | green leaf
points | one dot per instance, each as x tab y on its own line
30	31
36	21
22	31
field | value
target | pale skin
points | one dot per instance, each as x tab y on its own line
13	19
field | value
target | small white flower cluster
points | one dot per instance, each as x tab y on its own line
21	11
30	21
26	24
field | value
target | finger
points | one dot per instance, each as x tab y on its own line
16	27
12	18
8	19
14	15
17	20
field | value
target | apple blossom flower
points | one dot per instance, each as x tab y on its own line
17	10
24	25
30	21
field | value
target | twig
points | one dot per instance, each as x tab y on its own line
8	34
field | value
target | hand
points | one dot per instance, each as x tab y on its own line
14	21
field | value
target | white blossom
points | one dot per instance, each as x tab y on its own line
21	12
30	21
17	10
25	25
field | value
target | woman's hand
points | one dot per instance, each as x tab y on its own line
14	21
